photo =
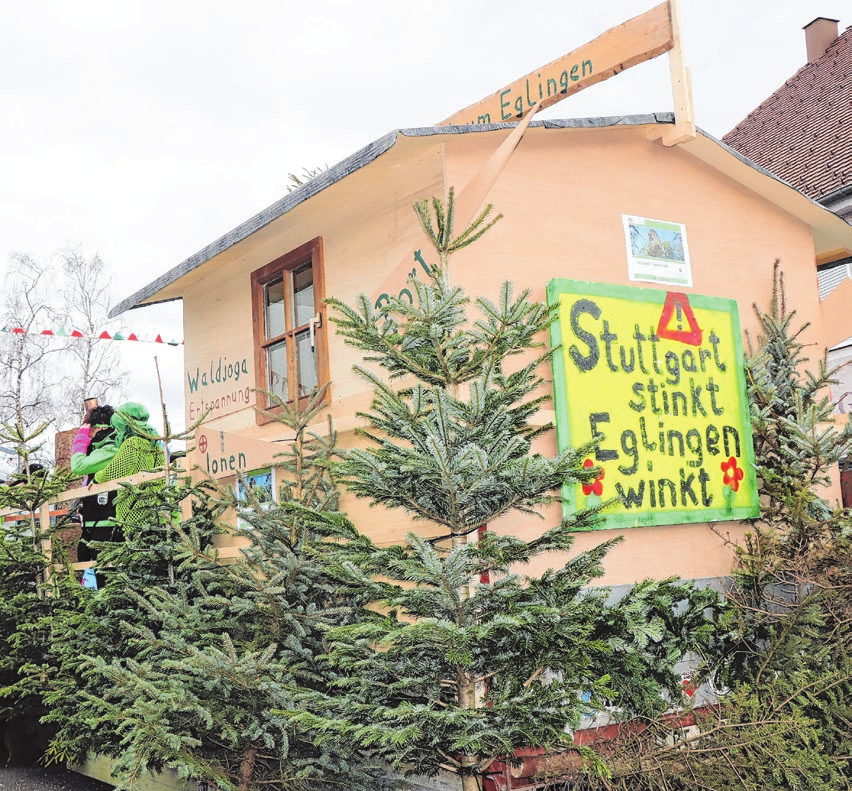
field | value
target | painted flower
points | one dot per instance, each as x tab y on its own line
733	474
596	486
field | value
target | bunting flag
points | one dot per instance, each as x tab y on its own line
62	332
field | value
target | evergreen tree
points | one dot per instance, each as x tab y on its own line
784	721
221	644
456	658
25	640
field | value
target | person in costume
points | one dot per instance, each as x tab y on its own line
130	447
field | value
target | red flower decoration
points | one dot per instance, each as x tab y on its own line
595	486
733	474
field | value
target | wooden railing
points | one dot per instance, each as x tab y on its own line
58	505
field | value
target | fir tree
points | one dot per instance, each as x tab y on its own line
457	658
784	662
223	644
26	657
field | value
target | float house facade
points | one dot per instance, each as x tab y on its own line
580	198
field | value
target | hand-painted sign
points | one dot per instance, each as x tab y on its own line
637	40
222	455
658	378
218	386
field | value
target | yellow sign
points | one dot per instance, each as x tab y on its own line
657	377
637	40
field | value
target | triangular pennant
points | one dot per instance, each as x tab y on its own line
77	334
19	331
158	339
675	311
105	336
174	343
132	337
118	337
47	332
62	332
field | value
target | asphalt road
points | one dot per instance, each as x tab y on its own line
41	778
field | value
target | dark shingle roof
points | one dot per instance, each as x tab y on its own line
803	132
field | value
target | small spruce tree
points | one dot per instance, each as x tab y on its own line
457	658
784	663
26	655
222	647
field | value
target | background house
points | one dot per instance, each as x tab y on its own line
802	133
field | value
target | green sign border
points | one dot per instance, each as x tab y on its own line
624	519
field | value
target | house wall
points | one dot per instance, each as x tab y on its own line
562	194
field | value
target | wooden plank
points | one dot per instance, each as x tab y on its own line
99	767
639	39
684	126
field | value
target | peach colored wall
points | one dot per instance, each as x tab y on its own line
562	194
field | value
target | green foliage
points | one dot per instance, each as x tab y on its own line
204	649
784	654
26	660
456	658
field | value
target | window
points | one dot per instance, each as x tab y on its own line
289	337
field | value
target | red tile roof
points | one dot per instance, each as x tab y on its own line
803	132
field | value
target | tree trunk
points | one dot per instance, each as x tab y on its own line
470	783
247	768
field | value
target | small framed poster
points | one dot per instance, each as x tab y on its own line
657	251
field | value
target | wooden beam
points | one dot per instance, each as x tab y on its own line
639	39
684	111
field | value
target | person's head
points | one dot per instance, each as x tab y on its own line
101	416
129	419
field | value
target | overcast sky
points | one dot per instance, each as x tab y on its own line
142	131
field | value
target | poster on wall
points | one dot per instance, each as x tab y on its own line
657	377
657	251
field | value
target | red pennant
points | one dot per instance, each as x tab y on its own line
105	335
77	334
678	303
47	332
158	339
20	330
132	337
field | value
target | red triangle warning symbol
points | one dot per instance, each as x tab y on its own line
676	312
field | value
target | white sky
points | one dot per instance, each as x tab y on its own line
143	131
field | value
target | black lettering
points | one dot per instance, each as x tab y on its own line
653	390
715	340
713	389
712	443
730	430
639	338
673	367
639	404
686	488
650	446
703	478
589	361
632	496
693	442
631	448
608	337
695	392
678	403
602	454
661	494
676	435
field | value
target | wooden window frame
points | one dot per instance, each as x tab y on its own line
312	252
